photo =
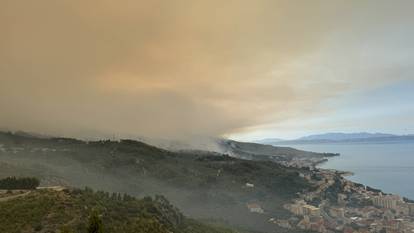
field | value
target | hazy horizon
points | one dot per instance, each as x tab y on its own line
185	69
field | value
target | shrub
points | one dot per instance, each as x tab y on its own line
11	183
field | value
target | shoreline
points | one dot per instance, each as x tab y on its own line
339	204
346	174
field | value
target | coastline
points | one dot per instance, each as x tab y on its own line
389	167
346	174
337	204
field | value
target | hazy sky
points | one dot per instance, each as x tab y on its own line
176	69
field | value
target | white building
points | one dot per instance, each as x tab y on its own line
388	201
249	185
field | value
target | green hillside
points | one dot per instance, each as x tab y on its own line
202	185
70	211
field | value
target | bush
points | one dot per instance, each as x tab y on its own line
95	223
11	183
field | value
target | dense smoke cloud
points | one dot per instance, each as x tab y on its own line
176	69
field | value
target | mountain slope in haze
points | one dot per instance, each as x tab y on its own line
282	155
268	140
203	185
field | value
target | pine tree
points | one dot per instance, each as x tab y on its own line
95	223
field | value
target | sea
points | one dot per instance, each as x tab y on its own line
386	166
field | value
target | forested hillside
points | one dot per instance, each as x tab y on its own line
76	210
202	185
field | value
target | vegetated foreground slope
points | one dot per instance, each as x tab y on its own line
202	185
51	211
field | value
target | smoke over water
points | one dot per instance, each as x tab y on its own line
175	69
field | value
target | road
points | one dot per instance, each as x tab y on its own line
8	198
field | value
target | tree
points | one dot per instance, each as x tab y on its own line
95	223
11	183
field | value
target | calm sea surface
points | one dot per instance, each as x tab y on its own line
389	167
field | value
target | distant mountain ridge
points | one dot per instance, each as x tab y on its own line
345	136
362	137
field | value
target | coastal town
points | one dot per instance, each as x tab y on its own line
339	205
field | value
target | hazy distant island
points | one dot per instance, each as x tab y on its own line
340	138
